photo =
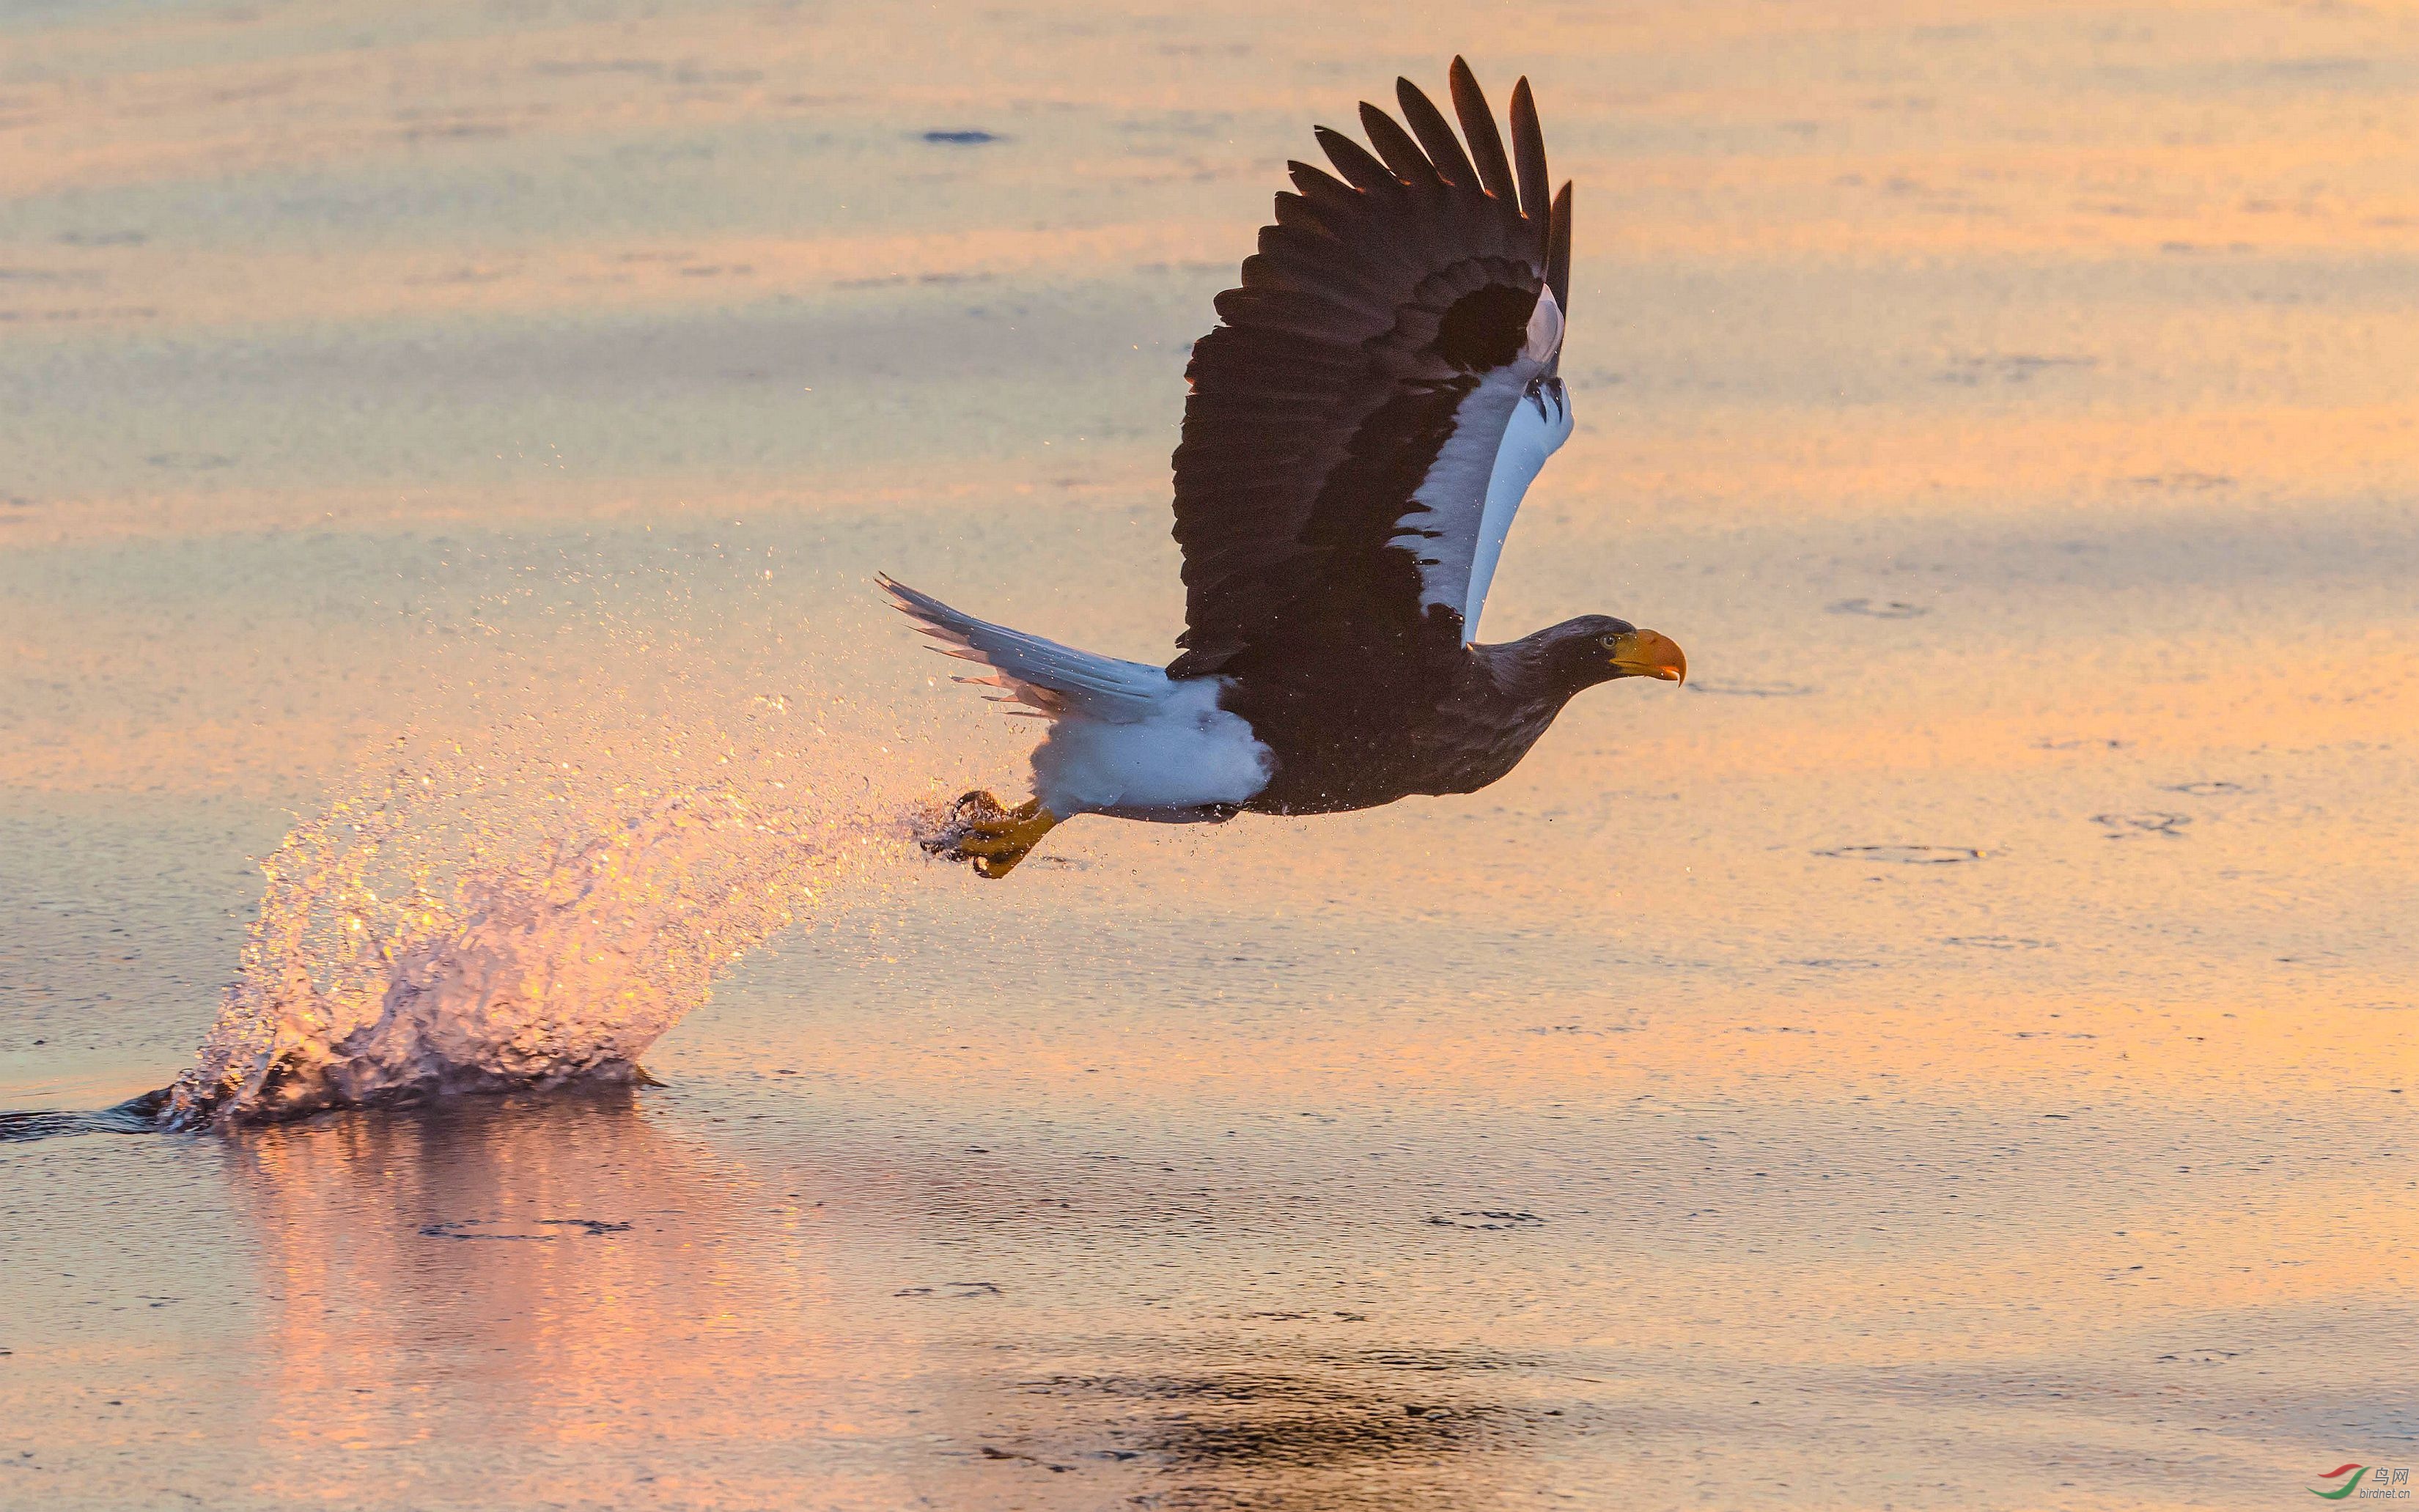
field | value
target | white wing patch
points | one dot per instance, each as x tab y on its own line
1538	428
1545	328
1441	528
1502	436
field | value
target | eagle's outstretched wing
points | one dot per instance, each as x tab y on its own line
1378	395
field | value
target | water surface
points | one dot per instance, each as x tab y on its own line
1957	1053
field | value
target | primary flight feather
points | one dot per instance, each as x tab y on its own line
1378	394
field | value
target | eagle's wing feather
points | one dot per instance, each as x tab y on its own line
1350	457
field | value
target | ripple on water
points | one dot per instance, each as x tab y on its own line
953	1290
2136	825
139	1114
1879	609
1486	1220
1727	688
499	1229
1905	855
1330	1419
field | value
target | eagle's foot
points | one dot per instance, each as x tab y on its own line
994	838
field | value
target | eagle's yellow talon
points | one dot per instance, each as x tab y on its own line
994	838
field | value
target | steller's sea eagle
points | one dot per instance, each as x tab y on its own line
1362	425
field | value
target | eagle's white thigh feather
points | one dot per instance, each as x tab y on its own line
1186	754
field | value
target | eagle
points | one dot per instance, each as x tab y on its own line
1380	390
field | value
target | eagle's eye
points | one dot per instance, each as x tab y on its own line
1610	642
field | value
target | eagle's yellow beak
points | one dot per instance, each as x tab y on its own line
1649	653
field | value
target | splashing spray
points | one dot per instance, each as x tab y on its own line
359	986
587	824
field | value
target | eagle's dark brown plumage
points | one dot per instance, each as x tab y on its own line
1382	388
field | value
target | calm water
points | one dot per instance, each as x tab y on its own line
1957	1053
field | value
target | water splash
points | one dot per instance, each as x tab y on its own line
365	979
591	819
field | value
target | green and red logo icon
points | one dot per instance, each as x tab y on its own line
2356	1471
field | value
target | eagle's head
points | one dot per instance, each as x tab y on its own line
1597	648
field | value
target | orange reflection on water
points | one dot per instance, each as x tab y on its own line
570	1261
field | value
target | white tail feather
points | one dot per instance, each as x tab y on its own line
1057	679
